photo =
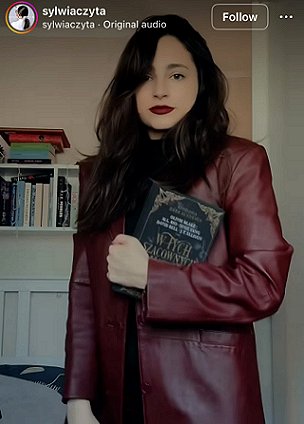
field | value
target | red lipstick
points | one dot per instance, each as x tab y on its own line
161	110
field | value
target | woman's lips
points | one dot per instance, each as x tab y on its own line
161	110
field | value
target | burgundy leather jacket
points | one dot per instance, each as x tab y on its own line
195	334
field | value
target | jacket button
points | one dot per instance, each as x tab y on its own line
146	388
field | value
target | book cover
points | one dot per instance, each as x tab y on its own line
175	228
5	202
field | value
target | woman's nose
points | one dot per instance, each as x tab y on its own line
160	88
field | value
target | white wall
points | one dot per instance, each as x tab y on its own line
286	128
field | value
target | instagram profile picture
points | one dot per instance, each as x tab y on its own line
21	17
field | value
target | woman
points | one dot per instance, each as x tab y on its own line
163	117
23	22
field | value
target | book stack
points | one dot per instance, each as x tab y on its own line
34	145
31	153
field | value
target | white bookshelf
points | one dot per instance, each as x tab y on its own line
35	266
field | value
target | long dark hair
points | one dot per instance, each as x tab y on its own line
23	11
118	171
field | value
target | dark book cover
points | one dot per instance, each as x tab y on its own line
5	202
34	178
175	228
31	161
63	202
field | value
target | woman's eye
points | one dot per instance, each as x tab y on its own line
177	76
147	77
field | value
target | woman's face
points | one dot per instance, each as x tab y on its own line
171	87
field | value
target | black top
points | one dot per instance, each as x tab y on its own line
133	409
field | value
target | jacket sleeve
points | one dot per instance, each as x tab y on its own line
251	285
80	345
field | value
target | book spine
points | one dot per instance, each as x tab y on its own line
27	204
74	207
33	178
67	206
32	147
34	138
31	161
45	205
33	200
61	197
51	188
31	155
5	202
58	145
20	203
38	205
13	214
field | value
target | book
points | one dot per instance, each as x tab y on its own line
20	202
175	228
13	213
33	200
44	177
67	206
45	205
31	161
27	204
38	205
61	200
5	202
31	148
56	137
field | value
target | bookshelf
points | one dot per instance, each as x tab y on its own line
35	264
69	172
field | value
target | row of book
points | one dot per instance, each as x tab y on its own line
28	201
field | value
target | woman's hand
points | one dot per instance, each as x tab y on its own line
80	412
128	262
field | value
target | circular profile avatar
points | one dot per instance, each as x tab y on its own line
21	17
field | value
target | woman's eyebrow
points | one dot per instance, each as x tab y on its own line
172	66
177	65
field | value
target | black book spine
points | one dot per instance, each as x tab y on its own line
61	198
